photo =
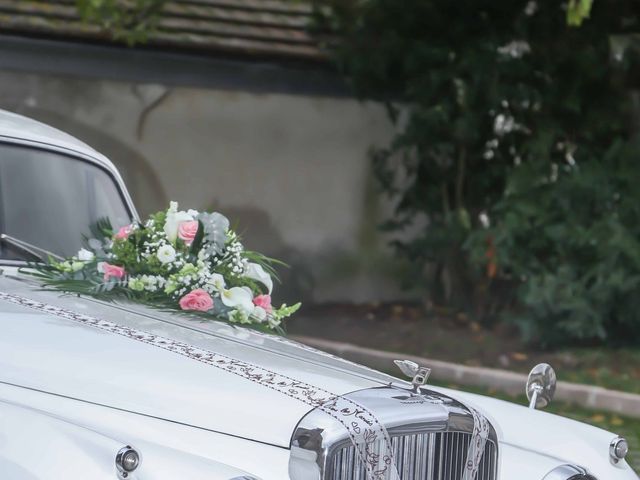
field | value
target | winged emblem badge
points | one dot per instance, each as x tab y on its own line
418	374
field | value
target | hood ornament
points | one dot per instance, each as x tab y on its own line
419	375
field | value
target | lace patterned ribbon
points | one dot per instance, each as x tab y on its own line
476	446
368	435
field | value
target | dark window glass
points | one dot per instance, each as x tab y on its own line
49	200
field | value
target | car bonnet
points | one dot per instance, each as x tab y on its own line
41	349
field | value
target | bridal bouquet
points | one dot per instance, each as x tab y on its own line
181	260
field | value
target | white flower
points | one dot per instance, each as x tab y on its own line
85	255
504	124
256	272
531	8
217	281
166	254
259	313
485	221
173	220
238	297
515	49
100	267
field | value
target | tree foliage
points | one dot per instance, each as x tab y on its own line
578	11
514	158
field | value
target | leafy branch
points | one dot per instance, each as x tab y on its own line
132	21
578	11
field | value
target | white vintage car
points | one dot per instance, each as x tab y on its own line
94	390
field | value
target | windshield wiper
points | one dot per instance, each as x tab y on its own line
26	247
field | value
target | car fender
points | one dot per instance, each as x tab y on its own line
549	435
35	445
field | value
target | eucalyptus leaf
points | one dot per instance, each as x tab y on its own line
215	227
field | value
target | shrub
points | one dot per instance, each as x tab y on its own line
571	247
514	159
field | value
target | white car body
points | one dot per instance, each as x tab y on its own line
72	395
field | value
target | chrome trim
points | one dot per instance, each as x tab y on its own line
568	472
123	470
34	250
411	420
420	456
618	449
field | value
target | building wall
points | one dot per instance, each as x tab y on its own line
291	170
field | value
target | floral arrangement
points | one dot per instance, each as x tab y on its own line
179	260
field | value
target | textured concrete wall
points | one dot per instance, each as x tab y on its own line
291	170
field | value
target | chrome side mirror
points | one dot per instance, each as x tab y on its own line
541	385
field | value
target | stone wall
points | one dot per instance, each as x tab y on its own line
290	170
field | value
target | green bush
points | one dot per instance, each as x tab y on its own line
571	248
514	159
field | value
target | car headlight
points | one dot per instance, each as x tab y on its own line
127	460
618	449
568	472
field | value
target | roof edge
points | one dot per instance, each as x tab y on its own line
171	68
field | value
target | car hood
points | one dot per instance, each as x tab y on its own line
45	352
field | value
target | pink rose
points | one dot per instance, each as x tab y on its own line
187	231
124	232
197	299
263	301
112	271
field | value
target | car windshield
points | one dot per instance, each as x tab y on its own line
49	200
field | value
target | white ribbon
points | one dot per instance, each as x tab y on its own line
476	446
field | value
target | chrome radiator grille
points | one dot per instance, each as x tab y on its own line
421	456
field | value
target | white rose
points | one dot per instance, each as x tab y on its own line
256	272
85	255
166	254
173	220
